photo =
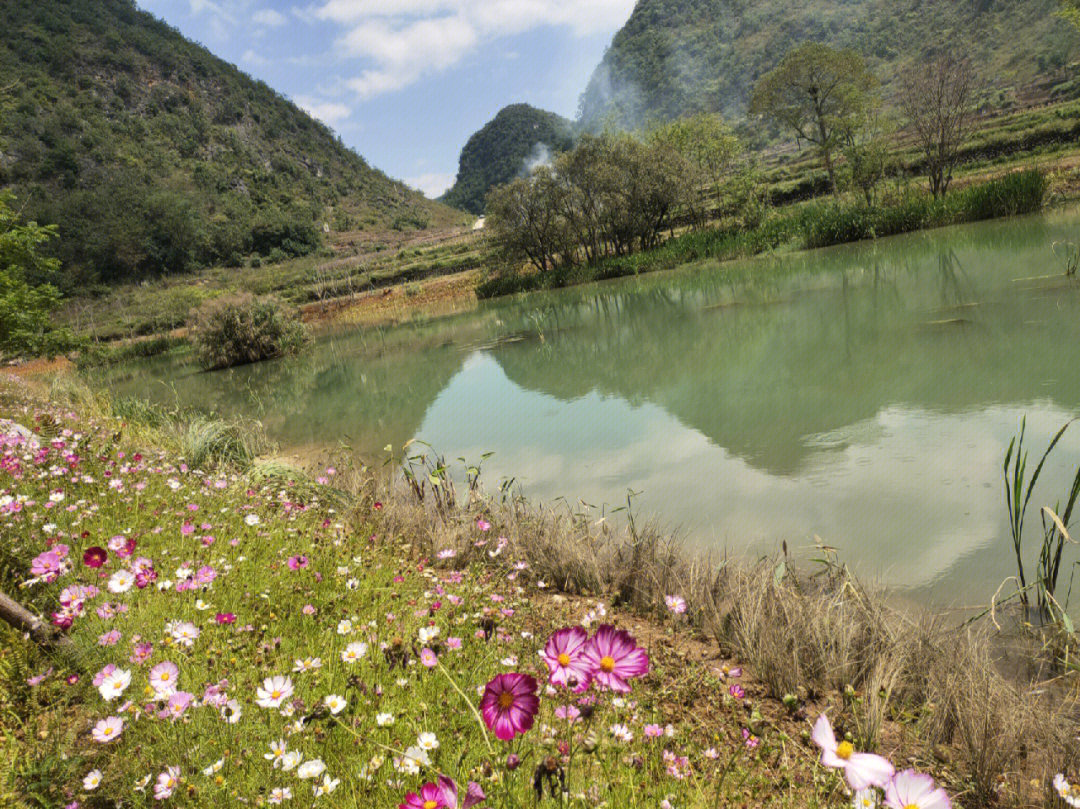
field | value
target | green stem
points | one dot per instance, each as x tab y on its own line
475	713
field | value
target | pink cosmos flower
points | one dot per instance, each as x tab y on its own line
615	657
163	679
509	704
95	556
141	653
483	524
913	790
566	661
225	618
108	729
110	638
677	604
166	783
177	705
443	794
297	562
428	657
861	770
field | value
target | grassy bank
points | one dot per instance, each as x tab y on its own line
810	225
384	604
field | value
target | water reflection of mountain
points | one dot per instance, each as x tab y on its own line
762	365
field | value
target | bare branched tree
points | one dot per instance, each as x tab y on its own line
936	97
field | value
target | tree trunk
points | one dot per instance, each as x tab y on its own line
39	631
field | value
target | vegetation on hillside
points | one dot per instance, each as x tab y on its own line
152	156
27	292
516	140
677	57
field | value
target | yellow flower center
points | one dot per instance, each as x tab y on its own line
275	694
107	732
564	659
506	699
607	664
844	751
165	676
912	806
431	805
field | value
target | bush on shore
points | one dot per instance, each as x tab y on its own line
245	329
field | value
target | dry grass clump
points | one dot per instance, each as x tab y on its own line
925	690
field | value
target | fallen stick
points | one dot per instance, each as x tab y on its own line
16	615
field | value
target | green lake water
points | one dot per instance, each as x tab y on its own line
863	394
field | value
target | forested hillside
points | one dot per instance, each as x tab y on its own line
154	156
680	56
506	147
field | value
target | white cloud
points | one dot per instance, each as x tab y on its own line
252	58
328	112
268	16
431	185
402	40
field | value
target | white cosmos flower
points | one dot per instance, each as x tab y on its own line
427	741
344	627
274	691
92	780
335	703
291	759
311	769
354	651
428	633
279	795
231	711
307	664
277	751
327	786
115	684
252	519
214	768
121	581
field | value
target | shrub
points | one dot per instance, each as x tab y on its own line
245	329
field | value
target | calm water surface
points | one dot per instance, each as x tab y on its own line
862	394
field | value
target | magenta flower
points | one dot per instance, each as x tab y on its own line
443	794
95	556
566	661
861	770
509	704
297	562
225	618
432	796
912	789
615	657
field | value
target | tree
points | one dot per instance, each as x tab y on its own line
1070	10
709	146
25	296
936	99
817	92
866	151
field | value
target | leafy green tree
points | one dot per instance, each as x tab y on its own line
818	93
709	146
25	296
1070	10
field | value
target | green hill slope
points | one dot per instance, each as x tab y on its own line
503	149
155	156
679	56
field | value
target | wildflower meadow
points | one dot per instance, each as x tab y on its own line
258	643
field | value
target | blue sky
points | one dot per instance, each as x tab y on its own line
406	82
